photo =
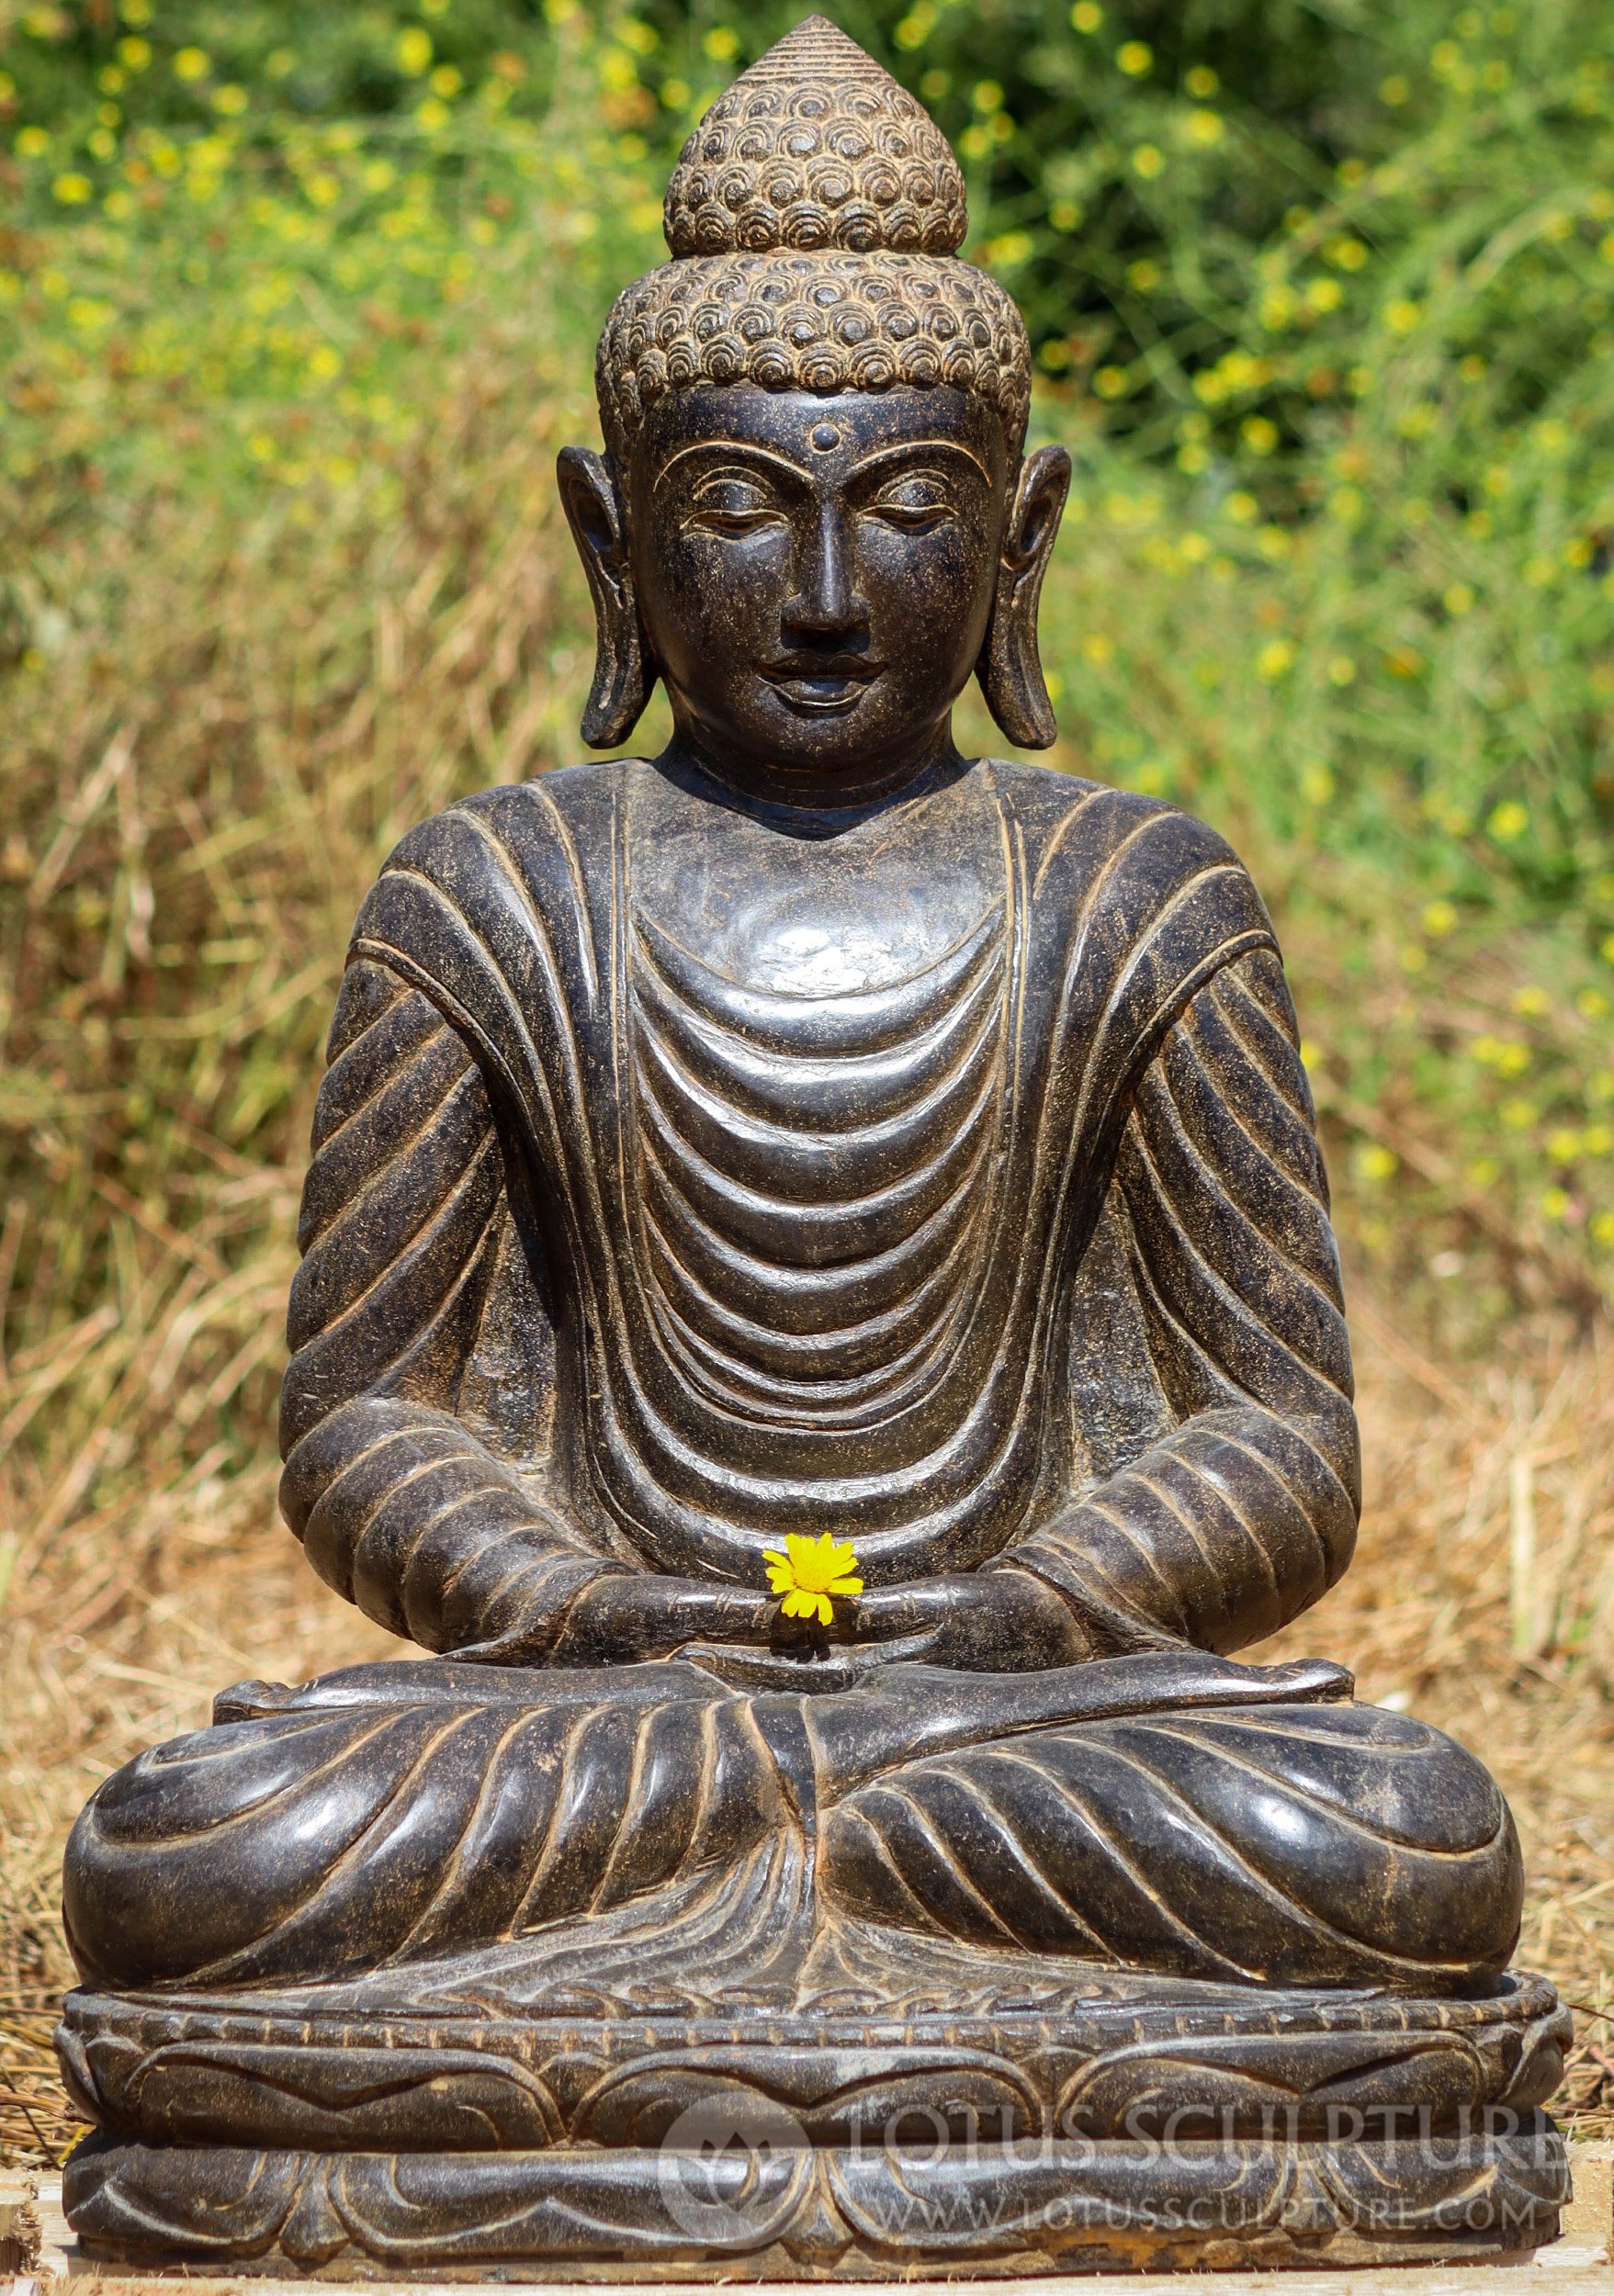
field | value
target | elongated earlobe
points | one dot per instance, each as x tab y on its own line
1010	670
624	676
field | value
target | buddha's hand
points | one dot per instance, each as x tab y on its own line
634	1615
988	1622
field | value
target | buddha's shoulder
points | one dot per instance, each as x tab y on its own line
552	811
1069	812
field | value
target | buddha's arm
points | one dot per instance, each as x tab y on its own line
1247	1511
404	1218
408	1247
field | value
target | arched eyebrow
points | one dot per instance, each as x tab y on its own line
741	448
906	449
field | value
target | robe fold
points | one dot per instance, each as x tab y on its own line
620	1258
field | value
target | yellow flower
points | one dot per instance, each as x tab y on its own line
1012	247
1373	1163
809	1571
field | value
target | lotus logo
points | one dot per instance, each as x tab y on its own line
730	2168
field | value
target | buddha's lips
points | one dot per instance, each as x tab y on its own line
821	683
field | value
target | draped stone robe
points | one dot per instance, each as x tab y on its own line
626	1253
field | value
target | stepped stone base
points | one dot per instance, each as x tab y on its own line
1096	2129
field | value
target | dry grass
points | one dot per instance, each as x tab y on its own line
1482	1597
1486	1542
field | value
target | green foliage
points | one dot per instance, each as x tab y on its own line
288	347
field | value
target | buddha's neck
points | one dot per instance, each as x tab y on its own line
800	803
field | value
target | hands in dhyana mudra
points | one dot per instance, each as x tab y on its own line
1002	1621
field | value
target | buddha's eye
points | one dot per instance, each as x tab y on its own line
728	503
914	502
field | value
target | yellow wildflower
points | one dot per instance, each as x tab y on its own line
809	1571
1374	1162
1011	247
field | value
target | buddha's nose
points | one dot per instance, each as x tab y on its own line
826	604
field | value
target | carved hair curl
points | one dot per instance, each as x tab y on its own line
810	323
813	218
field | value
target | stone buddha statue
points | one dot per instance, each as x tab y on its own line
811	1139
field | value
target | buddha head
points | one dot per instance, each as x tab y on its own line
814	520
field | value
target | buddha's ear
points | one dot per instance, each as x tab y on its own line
624	675
1010	671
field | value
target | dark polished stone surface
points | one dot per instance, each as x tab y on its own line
812	1130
